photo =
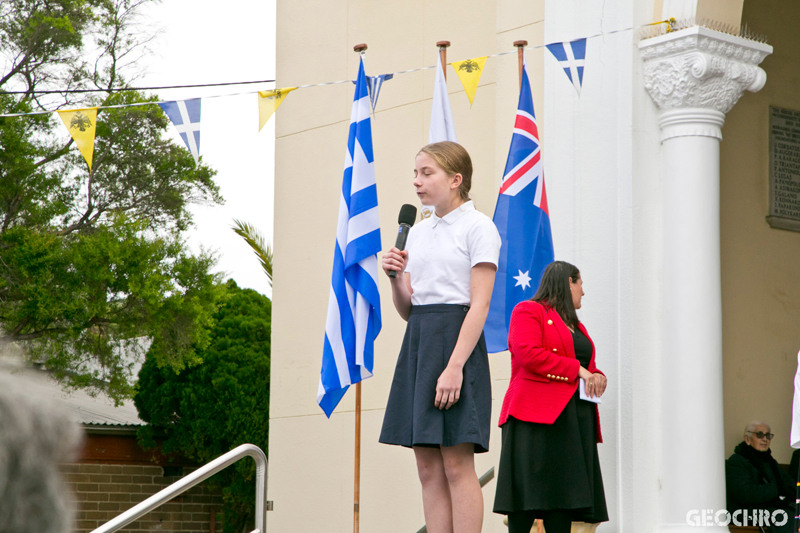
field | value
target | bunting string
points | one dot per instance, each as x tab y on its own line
135	104
601	34
185	115
121	89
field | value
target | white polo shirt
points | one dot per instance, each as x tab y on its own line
442	252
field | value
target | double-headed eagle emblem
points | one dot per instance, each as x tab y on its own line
470	66
80	121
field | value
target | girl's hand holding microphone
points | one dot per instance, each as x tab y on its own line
395	261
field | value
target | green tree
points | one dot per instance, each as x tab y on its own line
40	41
94	268
209	409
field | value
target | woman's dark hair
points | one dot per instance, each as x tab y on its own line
554	290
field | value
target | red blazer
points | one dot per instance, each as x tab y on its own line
544	370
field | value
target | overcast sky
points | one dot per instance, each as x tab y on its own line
207	41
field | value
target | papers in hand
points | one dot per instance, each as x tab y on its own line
585	396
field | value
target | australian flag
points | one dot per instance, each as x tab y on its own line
522	218
354	305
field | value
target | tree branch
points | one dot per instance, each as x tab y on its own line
12	210
84	218
15	70
55	155
15	336
19	327
30	336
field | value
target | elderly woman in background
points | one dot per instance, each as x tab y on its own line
549	467
34	437
755	481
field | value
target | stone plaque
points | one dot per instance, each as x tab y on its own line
784	169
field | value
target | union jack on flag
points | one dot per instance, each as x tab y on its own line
523	220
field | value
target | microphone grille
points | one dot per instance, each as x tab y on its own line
408	214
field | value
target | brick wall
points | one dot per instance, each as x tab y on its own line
103	491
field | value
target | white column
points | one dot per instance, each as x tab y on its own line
695	76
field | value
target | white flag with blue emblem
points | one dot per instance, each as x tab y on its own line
185	116
354	306
571	56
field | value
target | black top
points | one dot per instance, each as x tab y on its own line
583	348
754	480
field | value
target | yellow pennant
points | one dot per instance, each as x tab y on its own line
269	102
469	72
81	124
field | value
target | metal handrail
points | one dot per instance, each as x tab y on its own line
199	475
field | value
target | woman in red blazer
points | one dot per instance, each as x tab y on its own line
548	464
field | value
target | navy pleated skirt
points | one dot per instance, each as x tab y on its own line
411	417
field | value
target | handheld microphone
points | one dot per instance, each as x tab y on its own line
408	213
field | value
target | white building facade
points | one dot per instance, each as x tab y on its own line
691	297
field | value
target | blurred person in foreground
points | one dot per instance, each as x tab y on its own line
34	437
755	481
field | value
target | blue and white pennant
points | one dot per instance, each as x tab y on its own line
374	84
354	309
571	57
185	116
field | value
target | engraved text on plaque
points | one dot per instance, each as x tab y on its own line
784	169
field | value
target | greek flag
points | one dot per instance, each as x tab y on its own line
354	306
571	57
185	116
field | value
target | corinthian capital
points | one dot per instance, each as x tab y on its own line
701	68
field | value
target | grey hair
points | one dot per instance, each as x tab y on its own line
34	437
751	427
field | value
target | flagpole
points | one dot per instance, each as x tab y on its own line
362	50
357	484
520	57
443	55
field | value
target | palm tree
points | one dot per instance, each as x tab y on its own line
257	242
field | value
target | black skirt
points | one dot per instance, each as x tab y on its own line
546	467
411	418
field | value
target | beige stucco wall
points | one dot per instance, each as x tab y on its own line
760	265
311	457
